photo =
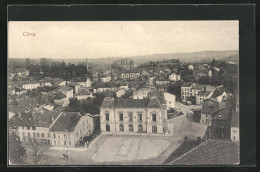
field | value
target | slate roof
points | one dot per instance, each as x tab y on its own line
211	152
26	119
209	107
110	102
187	84
43	117
131	103
218	92
65	89
56	81
83	92
235	119
59	95
204	93
154	103
15	108
66	122
105	85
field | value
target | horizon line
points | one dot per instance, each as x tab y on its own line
118	56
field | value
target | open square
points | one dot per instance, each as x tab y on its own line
122	149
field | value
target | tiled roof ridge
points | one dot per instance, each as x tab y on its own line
53	122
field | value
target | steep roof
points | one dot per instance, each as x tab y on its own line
66	122
209	107
59	95
211	152
83	92
218	92
204	93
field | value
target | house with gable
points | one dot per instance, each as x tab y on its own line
69	128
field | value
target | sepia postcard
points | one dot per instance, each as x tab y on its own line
123	93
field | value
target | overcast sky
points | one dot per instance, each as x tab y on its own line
95	39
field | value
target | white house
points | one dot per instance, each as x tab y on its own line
120	93
190	67
170	99
83	94
31	85
68	91
69	128
174	77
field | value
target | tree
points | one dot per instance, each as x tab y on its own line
16	150
37	155
213	63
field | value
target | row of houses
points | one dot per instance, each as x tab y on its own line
201	92
222	118
66	129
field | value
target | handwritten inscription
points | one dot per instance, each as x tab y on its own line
29	34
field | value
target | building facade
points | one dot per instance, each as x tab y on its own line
69	129
170	100
133	115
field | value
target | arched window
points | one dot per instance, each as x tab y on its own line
121	127
107	127
131	129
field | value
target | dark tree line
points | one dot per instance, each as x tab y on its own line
57	69
90	105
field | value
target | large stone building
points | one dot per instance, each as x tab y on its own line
133	115
69	128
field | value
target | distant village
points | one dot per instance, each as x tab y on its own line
70	105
